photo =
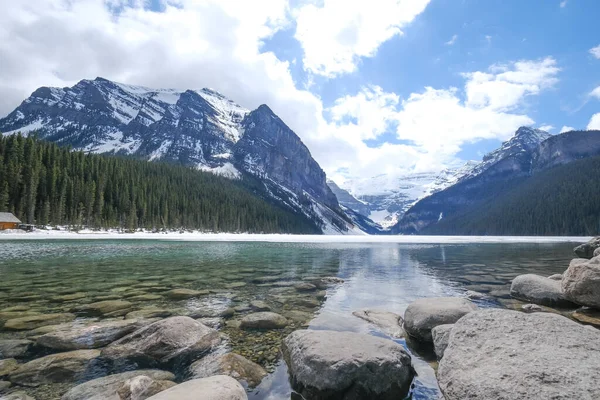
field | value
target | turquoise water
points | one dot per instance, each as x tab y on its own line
385	276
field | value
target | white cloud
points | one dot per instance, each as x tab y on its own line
595	93
594	122
335	34
452	40
595	51
566	128
547	128
563	4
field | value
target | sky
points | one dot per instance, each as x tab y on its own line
371	87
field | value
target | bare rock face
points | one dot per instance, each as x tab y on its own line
581	282
219	387
164	342
587	250
345	365
539	290
388	322
506	355
55	368
423	315
231	364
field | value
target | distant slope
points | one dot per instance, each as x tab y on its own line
43	184
562	200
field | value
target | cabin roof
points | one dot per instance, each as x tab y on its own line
8	217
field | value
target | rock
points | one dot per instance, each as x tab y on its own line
539	290
6	315
259	305
213	322
68	297
108	308
305	287
556	277
36	321
142	387
587	250
226	313
529	308
146	297
164	342
91	336
440	335
388	322
236	285
506	355
231	364
219	387
304	302
106	388
423	315
14	348
184	294
324	283
55	368
149	313
7	366
581	282
263	320
587	316
597	252
346	365
299	316
4	385
17	396
472	295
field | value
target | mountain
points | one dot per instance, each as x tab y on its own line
528	152
197	128
385	198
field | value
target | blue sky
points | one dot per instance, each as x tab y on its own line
377	87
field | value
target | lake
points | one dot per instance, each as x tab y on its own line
39	276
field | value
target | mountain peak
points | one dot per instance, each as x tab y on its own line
532	132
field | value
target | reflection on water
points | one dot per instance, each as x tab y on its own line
34	276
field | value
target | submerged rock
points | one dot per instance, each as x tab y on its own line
3	386
36	321
581	282
345	365
17	396
259	305
106	388
587	316
539	290
142	387
423	315
587	250
388	322
164	342
263	320
149	313
14	348
231	364
440	335
184	294
305	287
7	366
219	387
507	355
108	308
55	368
472	295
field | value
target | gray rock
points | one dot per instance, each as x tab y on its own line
36	321
259	305
556	277
4	385
581	282
55	368
219	387
539	290
17	396
597	252
324	283
184	294
305	287
149	313
470	294
587	250
108	308
14	348
142	387
346	365
231	364
440	335
529	308
106	388
164	342
388	322
423	315
212	322
506	355
7	366
264	320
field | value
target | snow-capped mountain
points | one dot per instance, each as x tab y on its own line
385	198
199	128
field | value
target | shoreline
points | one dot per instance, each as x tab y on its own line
280	238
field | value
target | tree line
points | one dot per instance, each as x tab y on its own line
44	184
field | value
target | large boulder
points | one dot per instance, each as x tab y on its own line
587	250
231	364
36	321
164	342
388	322
581	282
93	336
506	355
56	368
440	335
264	320
539	290
10	348
106	388
422	315
346	365
219	387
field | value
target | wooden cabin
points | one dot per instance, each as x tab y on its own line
8	221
